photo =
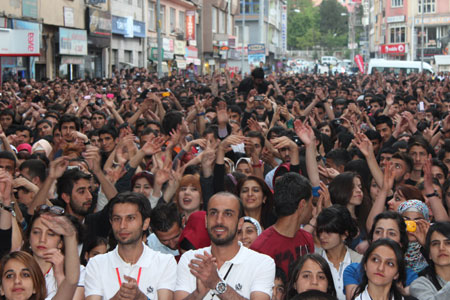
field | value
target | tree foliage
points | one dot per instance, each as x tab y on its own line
310	26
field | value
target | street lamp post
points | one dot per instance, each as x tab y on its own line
243	38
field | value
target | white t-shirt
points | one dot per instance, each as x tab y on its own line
153	271
52	286
248	271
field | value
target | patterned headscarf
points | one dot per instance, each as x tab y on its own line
413	257
414	205
254	222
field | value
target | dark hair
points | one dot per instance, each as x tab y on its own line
8	155
256	134
394	291
134	198
278	130
267	207
313	295
430	272
69	119
228	194
337	219
258	73
417	140
100	113
108	130
340	157
437	163
90	244
281	275
373	135
410	192
400	223
406	158
144	174
341	188
164	216
35	271
297	267
36	168
383	120
289	190
171	120
65	183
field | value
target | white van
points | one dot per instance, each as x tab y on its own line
329	60
396	66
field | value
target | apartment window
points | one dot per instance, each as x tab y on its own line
396	3
128	56
429	38
115	57
429	6
397	34
130	2
182	21
214	19
151	16
221	21
140	59
173	21
162	18
139	3
251	6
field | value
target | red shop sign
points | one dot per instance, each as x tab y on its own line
393	48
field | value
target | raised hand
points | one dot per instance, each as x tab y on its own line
58	167
59	224
304	132
93	158
388	179
153	145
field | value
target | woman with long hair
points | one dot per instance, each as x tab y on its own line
434	281
51	247
257	199
383	269
22	276
310	272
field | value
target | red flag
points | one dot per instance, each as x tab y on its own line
360	62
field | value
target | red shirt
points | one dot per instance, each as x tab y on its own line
284	250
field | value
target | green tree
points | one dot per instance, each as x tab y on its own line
303	24
333	26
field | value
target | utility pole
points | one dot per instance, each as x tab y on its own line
261	21
422	38
243	38
159	39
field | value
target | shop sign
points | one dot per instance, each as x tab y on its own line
396	19
19	42
72	41
30	8
72	60
435	20
256	54
167	44
180	47
69	18
100	23
190	25
123	26
191	51
138	29
393	48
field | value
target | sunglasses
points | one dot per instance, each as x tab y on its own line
56	210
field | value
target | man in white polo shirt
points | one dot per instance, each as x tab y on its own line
131	270
226	270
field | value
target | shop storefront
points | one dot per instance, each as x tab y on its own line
18	47
72	50
99	41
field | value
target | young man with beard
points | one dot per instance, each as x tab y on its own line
226	270
132	270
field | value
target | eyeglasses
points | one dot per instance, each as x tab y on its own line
56	210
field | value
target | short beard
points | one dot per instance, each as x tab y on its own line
76	209
223	241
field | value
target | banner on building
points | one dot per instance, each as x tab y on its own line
72	41
190	25
256	54
30	8
284	28
100	23
19	42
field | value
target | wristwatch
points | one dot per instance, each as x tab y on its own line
433	194
221	287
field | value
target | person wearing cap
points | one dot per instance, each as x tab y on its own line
24	147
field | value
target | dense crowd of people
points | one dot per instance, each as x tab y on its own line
215	187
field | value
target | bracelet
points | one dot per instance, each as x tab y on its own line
311	225
9	208
200	114
258	165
